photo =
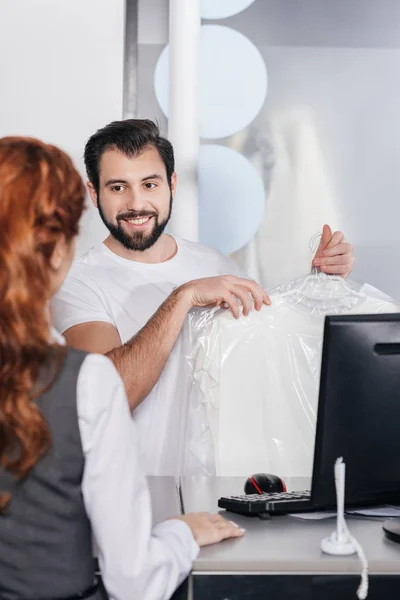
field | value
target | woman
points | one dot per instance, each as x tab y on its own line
69	466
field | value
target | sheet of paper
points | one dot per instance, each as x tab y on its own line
377	511
313	516
386	511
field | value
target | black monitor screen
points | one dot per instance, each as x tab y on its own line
359	410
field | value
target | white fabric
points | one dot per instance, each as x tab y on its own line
300	198
257	378
136	560
102	286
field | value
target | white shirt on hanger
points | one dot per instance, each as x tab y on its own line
257	380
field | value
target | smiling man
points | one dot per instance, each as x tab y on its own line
114	289
135	229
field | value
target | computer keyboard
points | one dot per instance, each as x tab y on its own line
277	503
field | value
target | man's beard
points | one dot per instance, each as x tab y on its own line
139	240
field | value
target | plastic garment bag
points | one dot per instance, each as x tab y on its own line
252	398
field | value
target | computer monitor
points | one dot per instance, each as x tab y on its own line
359	410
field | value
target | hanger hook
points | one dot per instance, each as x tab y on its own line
313	246
314	242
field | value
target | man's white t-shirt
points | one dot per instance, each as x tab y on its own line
103	286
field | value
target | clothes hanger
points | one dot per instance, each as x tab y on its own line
321	284
318	284
319	293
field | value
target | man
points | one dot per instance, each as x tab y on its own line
116	287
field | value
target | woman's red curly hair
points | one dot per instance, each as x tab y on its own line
41	201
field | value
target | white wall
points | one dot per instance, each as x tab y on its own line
61	76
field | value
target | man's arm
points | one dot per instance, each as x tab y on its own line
97	337
141	360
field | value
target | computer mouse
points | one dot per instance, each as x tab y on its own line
391	527
264	483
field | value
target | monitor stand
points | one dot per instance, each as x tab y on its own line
391	527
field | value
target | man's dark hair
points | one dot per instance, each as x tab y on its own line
130	137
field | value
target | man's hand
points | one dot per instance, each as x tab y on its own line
225	290
211	529
334	255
